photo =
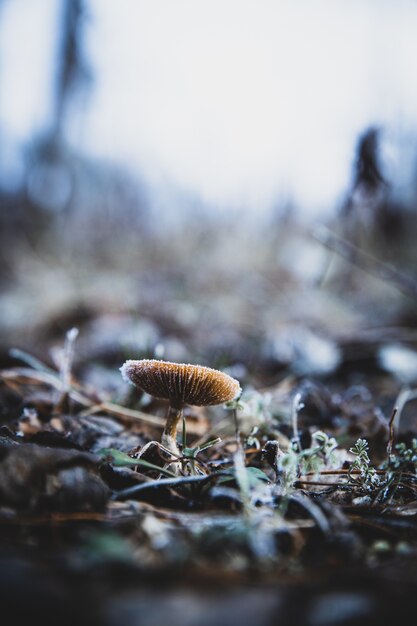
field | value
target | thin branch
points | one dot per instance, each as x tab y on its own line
391	432
371	265
296	406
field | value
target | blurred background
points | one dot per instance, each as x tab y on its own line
233	182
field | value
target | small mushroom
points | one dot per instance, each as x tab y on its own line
180	384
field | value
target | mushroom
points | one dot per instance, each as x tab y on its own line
180	384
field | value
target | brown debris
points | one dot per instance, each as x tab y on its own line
32	476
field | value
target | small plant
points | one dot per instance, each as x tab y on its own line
405	459
361	474
320	453
254	414
189	456
402	462
295	462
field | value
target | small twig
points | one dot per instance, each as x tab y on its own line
371	265
67	359
54	518
63	403
405	396
320	483
339	471
128	415
237	429
391	432
296	406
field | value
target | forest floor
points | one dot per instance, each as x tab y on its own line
301	510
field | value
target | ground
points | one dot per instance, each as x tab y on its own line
301	511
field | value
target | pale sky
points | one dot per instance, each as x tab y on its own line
240	101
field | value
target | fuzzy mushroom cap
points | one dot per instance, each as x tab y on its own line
181	383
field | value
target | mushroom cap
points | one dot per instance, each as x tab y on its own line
181	383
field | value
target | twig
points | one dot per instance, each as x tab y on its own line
391	432
54	518
63	403
237	430
67	359
405	396
366	262
337	472
320	483
296	406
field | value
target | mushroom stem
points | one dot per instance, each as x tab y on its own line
169	435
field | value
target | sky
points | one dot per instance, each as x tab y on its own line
242	102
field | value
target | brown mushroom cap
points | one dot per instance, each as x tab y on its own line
181	383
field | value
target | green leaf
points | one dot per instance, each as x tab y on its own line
210	443
190	453
121	459
256	475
